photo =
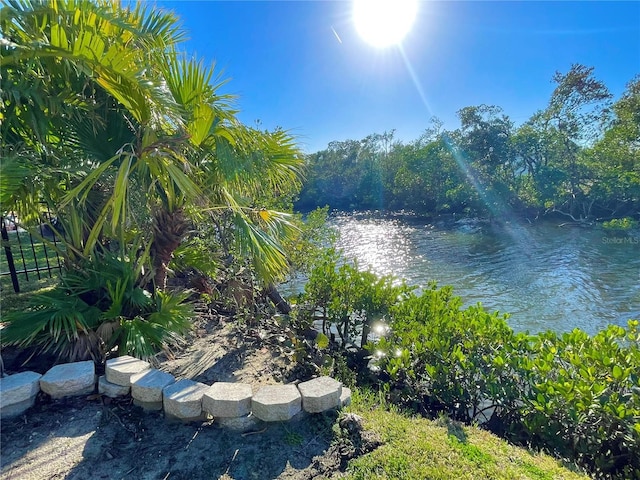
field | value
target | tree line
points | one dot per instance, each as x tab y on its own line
579	157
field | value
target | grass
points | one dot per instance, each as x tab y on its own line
10	301
422	449
28	257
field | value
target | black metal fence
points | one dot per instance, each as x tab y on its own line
25	254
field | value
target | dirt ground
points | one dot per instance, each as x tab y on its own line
101	438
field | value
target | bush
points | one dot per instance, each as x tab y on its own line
583	398
347	298
625	223
575	395
441	357
98	306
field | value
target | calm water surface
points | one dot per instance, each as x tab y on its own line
543	275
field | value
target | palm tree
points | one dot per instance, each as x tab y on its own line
126	140
115	111
80	103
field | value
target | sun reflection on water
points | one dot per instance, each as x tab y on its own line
545	277
380	246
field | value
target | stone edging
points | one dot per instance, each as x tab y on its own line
235	405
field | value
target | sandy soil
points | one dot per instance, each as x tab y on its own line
100	438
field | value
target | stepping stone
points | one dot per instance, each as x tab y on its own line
68	379
111	389
320	394
146	388
183	399
276	403
345	397
227	400
18	393
119	370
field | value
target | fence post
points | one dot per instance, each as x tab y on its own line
9	254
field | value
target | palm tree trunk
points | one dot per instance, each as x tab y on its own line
281	304
168	230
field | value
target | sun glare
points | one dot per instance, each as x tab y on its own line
383	23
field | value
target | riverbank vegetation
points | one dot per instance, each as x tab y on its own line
578	158
157	188
572	394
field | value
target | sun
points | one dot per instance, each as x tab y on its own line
383	23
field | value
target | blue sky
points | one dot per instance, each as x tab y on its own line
288	68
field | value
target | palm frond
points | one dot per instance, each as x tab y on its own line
16	177
260	238
255	162
95	41
166	326
194	88
56	322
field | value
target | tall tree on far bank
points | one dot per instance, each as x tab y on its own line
577	111
485	148
537	152
615	159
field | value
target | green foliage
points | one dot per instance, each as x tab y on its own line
625	223
312	237
101	305
575	395
571	158
615	158
342	372
318	291
583	397
120	134
347	175
197	252
347	298
445	358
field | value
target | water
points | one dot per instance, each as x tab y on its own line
543	275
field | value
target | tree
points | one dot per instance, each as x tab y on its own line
127	140
113	114
577	111
615	158
427	179
485	151
537	152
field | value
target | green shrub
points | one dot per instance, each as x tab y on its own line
572	394
319	289
197	253
348	298
575	395
100	305
583	398
441	357
625	223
